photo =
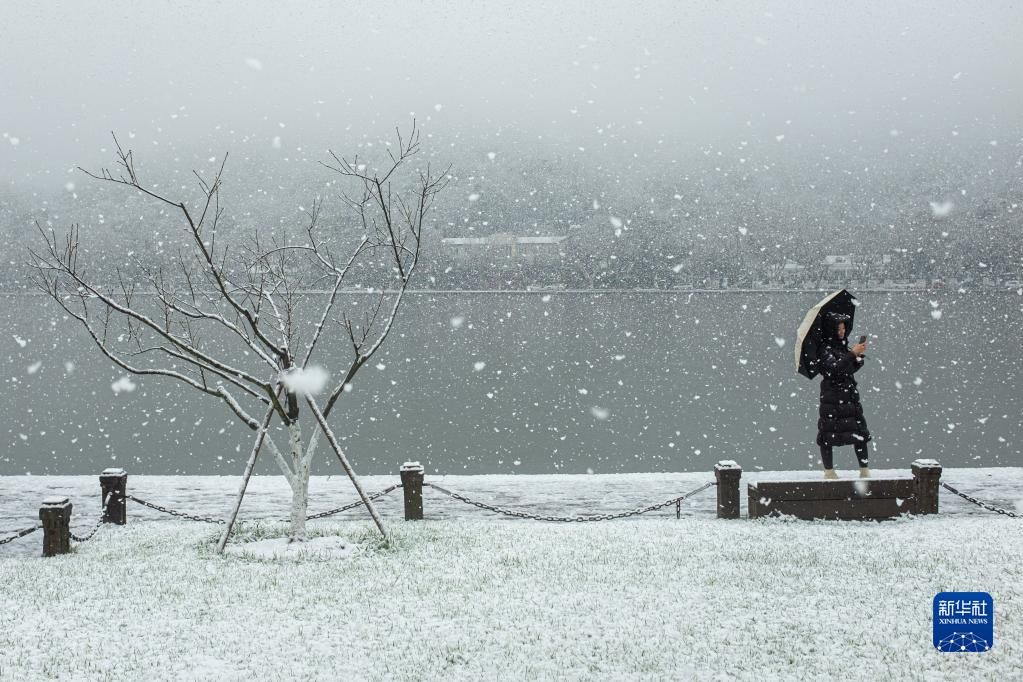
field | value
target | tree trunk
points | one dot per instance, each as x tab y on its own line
300	504
299	485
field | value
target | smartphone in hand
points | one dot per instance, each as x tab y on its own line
863	339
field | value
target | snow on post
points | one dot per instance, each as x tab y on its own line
113	485
412	487
55	513
728	473
926	479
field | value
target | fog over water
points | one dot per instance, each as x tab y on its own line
190	79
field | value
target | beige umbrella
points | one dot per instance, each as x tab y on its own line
808	334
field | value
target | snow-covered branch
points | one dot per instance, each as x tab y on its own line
98	338
222	308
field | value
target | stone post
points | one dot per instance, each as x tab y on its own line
728	474
412	487
114	482
926	479
55	513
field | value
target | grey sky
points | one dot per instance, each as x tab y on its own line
231	75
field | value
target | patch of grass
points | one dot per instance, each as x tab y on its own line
650	599
363	534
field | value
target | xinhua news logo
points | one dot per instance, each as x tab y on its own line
964	622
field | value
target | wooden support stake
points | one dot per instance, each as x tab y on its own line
249	466
412	486
728	474
322	421
55	513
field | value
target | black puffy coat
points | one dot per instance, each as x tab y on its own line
841	419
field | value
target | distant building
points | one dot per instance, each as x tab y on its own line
839	264
791	267
545	249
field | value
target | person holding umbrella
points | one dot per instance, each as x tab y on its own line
823	348
841	419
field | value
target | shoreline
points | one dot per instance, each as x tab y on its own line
677	292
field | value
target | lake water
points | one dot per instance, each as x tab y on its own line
559	382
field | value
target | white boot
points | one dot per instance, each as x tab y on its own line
864	472
830	474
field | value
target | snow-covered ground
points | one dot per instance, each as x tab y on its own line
464	597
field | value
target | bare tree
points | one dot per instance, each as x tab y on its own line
231	320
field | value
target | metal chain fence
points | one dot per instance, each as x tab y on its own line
677	501
210	519
385	491
20	534
183	515
979	503
87	536
99	522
